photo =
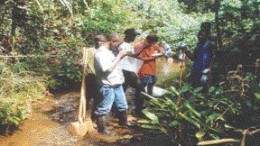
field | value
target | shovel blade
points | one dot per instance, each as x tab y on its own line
80	128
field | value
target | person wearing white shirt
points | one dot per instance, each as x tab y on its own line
110	79
131	78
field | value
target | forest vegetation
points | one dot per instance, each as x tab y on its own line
45	40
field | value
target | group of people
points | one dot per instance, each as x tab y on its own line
110	71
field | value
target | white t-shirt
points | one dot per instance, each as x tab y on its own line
103	61
125	62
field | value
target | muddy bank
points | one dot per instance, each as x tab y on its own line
50	116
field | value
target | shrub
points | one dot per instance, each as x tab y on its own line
18	88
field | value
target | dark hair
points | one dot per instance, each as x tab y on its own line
152	38
206	27
99	37
131	31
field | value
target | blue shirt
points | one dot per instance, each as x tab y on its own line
202	58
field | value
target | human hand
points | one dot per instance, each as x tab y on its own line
203	78
123	53
205	71
146	45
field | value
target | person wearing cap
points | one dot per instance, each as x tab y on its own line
131	78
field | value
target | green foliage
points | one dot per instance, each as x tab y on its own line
205	114
105	18
167	20
11	112
203	6
62	27
18	88
239	24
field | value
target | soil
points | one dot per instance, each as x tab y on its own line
51	115
66	108
47	126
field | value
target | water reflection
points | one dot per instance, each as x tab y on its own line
39	131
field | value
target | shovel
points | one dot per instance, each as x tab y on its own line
84	124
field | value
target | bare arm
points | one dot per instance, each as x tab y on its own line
119	56
136	53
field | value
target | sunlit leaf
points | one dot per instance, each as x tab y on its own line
212	117
151	116
174	123
257	96
192	109
200	134
190	120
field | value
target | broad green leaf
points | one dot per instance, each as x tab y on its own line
192	109
174	90
212	117
150	127
200	134
214	136
198	89
190	120
174	123
151	116
184	89
144	121
257	96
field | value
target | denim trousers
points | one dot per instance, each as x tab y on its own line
110	95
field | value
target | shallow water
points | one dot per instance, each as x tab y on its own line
39	131
51	115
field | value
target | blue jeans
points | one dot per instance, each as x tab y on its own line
149	79
110	95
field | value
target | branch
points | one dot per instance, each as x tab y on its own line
219	141
25	56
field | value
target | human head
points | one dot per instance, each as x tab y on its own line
182	46
99	40
130	34
206	26
202	36
114	41
151	39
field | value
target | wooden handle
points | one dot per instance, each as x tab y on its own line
82	104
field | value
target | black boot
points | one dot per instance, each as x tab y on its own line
101	125
122	117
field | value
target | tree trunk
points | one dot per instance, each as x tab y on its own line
219	40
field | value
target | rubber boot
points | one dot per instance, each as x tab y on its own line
101	125
122	117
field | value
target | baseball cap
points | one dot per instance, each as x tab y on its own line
131	31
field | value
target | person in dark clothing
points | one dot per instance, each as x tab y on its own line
203	57
91	83
131	78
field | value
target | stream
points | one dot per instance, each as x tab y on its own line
47	123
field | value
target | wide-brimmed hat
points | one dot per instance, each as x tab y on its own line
131	31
